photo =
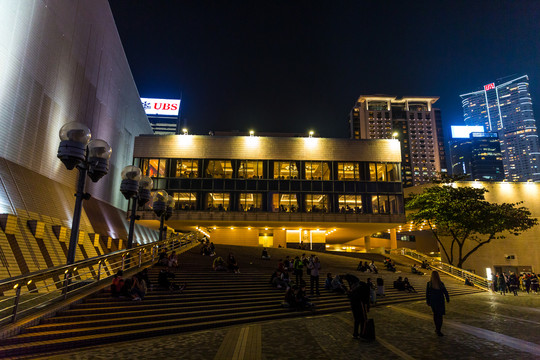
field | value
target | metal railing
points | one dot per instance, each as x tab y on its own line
26	294
476	280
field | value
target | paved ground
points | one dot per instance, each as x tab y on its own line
479	326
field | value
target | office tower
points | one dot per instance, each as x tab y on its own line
163	115
411	120
476	154
506	109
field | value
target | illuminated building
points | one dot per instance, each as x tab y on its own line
414	122
61	62
506	108
478	155
251	190
163	115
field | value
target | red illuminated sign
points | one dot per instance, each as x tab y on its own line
489	86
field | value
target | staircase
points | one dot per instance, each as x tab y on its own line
211	299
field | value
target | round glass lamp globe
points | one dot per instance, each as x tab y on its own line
131	172
75	131
160	195
99	149
146	182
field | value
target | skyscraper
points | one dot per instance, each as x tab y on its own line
478	156
506	109
414	122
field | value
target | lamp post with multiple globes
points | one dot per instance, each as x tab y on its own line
90	157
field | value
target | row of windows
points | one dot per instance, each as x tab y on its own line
258	169
288	202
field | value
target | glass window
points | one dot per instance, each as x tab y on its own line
317	170
219	169
381	172
372	172
185	201
250	202
218	201
284	203
348	171
250	169
350	203
285	170
187	168
375	204
316	203
393	172
154	167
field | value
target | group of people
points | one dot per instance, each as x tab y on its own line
169	260
390	265
364	267
403	284
219	264
134	287
281	278
511	282
208	248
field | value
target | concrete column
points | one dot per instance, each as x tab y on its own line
393	239
367	243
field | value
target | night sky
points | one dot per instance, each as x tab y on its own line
291	66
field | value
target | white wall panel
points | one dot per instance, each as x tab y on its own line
63	61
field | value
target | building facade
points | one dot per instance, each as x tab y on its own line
61	61
478	157
258	185
506	108
413	121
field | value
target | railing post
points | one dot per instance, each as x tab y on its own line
123	262
66	283
140	258
16	304
153	253
99	270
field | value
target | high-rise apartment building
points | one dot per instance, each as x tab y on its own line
506	109
414	122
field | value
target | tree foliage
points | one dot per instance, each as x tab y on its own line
459	216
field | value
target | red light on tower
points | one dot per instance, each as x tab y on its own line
489	86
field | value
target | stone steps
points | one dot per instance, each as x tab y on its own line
210	300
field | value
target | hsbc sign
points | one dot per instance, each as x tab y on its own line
161	107
489	86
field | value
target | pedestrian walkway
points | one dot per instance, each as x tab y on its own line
477	326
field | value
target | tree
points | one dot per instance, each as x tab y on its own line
459	216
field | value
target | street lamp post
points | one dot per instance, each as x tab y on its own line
137	188
91	158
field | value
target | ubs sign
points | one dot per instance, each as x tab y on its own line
489	86
161	107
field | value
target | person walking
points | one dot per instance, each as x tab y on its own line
435	295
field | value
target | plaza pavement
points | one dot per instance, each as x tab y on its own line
476	326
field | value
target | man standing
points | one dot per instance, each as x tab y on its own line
359	298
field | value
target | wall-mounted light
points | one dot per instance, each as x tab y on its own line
311	133
185	131
251	132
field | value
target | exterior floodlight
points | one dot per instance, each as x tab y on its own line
99	153
74	138
251	132
145	186
395	135
311	133
130	181
184	131
160	202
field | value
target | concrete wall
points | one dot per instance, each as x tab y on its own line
525	247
